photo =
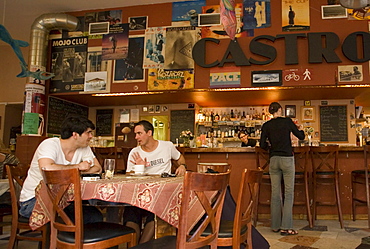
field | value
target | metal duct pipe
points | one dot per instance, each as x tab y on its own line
40	34
354	4
33	115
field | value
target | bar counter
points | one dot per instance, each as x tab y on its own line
350	158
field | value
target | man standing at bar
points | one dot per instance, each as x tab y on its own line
71	150
275	137
156	156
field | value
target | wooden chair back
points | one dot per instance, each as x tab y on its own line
262	158
246	207
16	176
201	185
218	167
60	184
324	158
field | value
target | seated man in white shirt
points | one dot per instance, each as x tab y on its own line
156	156
71	150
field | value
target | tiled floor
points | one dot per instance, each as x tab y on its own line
326	234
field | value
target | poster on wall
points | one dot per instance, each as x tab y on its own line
179	54
295	15
350	73
217	31
225	77
115	44
68	63
160	79
155	45
131	69
256	14
186	13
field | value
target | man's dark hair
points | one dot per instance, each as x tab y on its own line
146	124
77	124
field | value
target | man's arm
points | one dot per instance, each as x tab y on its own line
49	164
180	171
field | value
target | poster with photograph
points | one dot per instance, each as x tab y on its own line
257	14
359	14
68	63
350	73
295	15
217	31
131	69
160	79
111	16
115	44
138	22
187	12
179	54
155	45
96	82
95	62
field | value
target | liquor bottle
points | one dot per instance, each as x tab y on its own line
212	116
232	114
217	117
243	116
263	114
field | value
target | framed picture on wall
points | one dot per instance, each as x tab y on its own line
266	78
308	113
290	111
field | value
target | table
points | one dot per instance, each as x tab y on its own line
162	196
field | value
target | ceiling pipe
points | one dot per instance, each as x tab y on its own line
35	93
40	30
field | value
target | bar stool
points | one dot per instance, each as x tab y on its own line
360	182
262	163
219	167
325	173
302	172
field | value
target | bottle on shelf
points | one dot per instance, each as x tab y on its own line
217	117
232	115
243	116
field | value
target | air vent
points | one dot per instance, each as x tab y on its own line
98	28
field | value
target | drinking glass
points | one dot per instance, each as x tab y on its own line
109	166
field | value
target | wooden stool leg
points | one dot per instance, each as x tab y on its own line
339	206
353	185
308	207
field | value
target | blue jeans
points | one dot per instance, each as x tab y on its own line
26	207
282	212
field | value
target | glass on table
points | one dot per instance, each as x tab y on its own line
109	166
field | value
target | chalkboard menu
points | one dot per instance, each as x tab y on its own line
59	109
104	122
333	123
181	120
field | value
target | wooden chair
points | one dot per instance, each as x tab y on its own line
196	184
326	174
218	167
233	233
262	163
302	179
360	183
16	175
75	234
5	208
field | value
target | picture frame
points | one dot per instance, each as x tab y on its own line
145	108
151	109
266	78
333	11
350	73
157	109
290	111
308	113
137	23
122	71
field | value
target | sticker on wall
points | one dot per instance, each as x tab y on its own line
155	45
224	77
257	14
115	44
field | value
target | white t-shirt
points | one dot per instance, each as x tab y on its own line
49	148
158	160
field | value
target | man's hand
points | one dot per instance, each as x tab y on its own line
137	159
180	171
85	165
